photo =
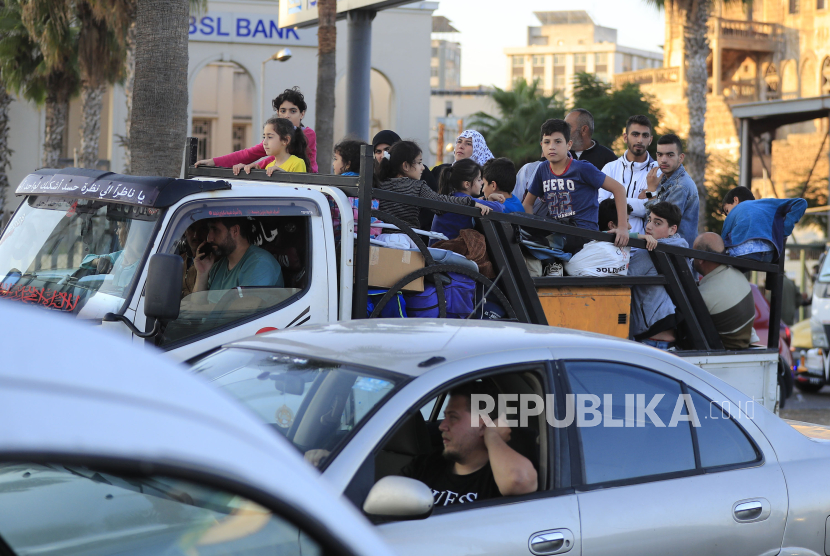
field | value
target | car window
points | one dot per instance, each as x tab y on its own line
426	411
51	508
613	449
315	404
720	440
274	270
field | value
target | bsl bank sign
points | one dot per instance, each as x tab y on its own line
247	28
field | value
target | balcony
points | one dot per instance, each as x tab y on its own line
733	34
655	76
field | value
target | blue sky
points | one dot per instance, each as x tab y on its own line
487	27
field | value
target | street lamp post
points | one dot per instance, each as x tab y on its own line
282	56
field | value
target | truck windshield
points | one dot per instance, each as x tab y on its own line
74	255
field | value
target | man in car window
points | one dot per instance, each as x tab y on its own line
476	463
227	259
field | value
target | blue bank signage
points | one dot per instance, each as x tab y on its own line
247	28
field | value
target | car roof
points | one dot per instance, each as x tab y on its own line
401	345
69	389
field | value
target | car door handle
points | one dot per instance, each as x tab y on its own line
748	511
557	541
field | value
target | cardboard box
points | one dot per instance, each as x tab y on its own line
600	310
387	266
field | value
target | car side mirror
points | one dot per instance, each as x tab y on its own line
399	498
163	291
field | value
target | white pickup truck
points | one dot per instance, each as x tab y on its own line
108	249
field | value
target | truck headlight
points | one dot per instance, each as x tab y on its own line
819	337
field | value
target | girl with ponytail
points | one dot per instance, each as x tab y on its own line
400	170
462	180
282	144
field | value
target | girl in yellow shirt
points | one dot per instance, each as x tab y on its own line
284	146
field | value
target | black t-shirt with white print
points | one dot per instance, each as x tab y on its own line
448	488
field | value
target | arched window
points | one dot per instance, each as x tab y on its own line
825	76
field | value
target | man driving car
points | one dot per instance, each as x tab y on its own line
475	463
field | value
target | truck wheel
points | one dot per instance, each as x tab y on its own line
809	388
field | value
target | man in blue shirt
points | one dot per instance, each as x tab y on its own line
569	187
675	186
228	260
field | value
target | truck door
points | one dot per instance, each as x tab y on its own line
260	295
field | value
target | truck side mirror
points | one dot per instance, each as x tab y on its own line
163	290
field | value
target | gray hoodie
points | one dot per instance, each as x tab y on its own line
650	304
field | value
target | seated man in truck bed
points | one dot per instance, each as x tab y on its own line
227	259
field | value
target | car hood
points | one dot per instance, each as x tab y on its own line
816	433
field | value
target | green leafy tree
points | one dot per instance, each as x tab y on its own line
514	132
611	107
722	177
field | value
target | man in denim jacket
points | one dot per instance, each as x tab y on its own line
675	186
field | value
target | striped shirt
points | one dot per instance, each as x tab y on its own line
728	298
416	188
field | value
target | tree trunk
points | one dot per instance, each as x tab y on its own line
5	152
57	113
129	81
159	116
92	101
696	38
326	73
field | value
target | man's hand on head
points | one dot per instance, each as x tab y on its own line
501	430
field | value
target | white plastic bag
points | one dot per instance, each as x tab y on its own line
599	258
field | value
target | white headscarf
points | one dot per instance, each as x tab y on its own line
481	153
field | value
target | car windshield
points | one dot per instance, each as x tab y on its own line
824	274
74	255
315	404
56	509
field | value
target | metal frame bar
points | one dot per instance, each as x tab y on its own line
364	219
500	260
689	286
664	266
527	289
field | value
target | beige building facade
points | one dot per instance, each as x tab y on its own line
567	43
774	49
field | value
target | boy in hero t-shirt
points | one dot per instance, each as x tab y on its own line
569	187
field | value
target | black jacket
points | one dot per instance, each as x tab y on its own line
597	155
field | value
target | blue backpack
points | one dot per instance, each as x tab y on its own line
394	309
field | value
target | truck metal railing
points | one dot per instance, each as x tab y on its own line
514	287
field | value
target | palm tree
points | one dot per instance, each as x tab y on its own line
49	77
696	15
514	133
326	73
159	117
101	61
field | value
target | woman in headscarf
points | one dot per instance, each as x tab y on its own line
470	144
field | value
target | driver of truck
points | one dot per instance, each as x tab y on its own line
105	262
476	463
194	235
227	259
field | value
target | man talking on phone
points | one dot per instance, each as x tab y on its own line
227	259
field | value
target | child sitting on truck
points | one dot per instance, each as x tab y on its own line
653	314
291	105
285	147
462	179
399	171
499	181
569	187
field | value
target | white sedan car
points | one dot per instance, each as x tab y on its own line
662	457
108	449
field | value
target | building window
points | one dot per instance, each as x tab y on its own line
239	140
518	61
538	60
433	72
601	65
580	61
434	51
559	60
538	66
201	131
821	4
627	63
794	6
559	82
